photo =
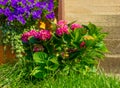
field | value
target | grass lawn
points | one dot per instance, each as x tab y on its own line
9	79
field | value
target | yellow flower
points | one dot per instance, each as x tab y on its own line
88	37
42	25
55	21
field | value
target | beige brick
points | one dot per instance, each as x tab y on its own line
111	64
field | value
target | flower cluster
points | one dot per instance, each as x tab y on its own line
75	26
27	35
41	35
22	9
63	27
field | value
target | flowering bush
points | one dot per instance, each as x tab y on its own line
67	47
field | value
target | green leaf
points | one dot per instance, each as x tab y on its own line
66	70
32	40
77	35
53	26
101	46
40	57
38	73
53	59
67	38
90	43
52	63
53	67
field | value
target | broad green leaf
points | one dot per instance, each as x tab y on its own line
39	57
53	59
38	73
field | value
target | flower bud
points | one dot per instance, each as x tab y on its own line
82	44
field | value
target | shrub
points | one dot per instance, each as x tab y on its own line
64	48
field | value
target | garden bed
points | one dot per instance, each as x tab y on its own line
48	50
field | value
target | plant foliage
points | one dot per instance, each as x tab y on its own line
65	48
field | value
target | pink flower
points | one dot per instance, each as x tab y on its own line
62	23
27	35
44	35
75	26
62	30
33	32
82	44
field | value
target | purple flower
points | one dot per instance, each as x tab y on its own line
24	2
50	15
11	18
40	4
32	1
44	35
14	3
21	19
3	2
37	14
1	11
7	12
50	5
21	9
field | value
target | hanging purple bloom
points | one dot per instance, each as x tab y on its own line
11	18
24	2
3	2
39	4
22	9
14	3
32	1
1	11
50	5
37	14
7	12
50	15
21	19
